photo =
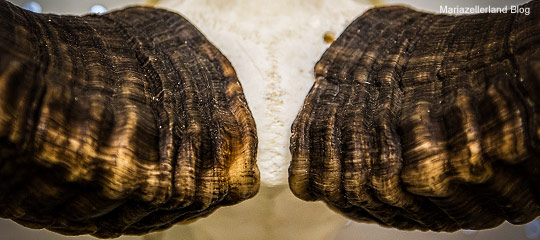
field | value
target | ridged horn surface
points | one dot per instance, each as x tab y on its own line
122	123
423	121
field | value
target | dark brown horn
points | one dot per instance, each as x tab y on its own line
122	123
424	121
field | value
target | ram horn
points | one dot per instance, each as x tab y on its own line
122	123
425	121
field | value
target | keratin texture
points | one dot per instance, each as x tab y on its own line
423	121
122	123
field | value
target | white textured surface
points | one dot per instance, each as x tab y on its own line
273	45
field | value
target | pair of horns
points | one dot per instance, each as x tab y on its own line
130	122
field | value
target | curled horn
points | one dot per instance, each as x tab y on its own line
425	121
122	123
